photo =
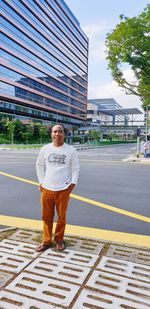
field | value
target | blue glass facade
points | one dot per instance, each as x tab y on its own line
44	61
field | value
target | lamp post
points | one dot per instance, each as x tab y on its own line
138	141
146	122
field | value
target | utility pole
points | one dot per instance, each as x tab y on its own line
138	141
146	122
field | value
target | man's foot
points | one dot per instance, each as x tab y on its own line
60	245
42	247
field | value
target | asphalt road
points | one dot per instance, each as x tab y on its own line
104	177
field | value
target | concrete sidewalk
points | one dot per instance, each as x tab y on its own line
141	159
90	273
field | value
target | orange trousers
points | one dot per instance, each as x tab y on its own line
49	201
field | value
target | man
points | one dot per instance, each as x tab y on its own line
57	169
145	146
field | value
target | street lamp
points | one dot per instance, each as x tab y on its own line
138	141
146	122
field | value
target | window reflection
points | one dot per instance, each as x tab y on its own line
27	95
43	88
44	57
30	69
46	25
22	112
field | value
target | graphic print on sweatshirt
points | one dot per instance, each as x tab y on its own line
57	159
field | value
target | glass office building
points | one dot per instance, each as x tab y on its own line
44	62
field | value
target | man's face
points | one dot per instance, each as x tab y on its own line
58	135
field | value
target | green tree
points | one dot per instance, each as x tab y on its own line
129	44
43	133
40	132
95	135
10	125
3	132
3	128
27	135
36	133
18	130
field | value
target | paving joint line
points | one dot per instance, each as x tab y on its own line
83	286
87	278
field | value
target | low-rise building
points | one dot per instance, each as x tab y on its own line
102	111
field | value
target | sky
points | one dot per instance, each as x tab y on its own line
97	18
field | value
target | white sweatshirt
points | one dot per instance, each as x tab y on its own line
57	167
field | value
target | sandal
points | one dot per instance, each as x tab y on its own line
60	245
42	247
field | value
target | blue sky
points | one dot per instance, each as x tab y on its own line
97	18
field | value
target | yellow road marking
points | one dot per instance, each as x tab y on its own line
114	162
19	178
126	238
111	208
20	162
31	157
102	161
89	201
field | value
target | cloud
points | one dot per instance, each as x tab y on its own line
96	34
96	52
109	90
94	30
130	76
112	90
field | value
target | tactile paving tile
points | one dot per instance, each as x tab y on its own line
84	245
59	270
10	300
128	269
19	248
4	278
131	254
26	236
70	256
50	290
120	286
13	263
99	300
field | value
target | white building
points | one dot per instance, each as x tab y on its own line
102	111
